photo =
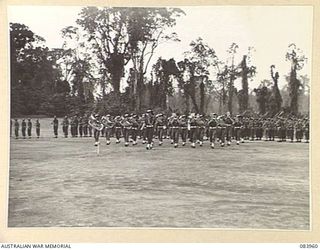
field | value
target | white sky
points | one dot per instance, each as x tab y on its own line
269	29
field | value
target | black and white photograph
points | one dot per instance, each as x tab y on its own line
160	117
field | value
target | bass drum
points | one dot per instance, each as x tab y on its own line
96	125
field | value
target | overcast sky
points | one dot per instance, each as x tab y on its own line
269	29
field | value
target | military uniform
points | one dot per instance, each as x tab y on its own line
160	126
290	130
281	130
29	124
16	128
85	126
134	129
95	122
299	130
38	128
222	130
55	123
273	129
306	130
259	129
175	129
117	128
23	128
200	129
126	125
89	128
252	128
228	121
72	127
212	128
149	124
81	126
65	126
193	131
76	126
237	129
183	129
108	125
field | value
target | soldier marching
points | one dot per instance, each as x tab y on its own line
181	129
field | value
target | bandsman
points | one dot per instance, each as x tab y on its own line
252	128
126	128
228	121
237	129
222	130
97	126
175	129
149	124
160	127
201	125
108	125
117	128
183	121
212	128
193	130
134	128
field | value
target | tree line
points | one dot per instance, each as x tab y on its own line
114	47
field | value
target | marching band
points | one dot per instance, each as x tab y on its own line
195	128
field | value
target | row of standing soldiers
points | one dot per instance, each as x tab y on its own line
26	128
197	128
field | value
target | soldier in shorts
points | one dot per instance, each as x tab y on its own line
237	128
183	128
212	128
160	126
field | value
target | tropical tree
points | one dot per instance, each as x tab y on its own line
33	71
246	72
147	30
297	60
164	71
195	72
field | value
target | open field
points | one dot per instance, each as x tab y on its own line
62	182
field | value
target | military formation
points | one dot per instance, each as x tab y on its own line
150	128
195	129
26	128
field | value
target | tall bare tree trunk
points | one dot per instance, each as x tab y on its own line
202	95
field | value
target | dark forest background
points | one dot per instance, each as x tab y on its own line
116	45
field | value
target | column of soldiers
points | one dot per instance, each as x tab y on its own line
193	128
197	128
